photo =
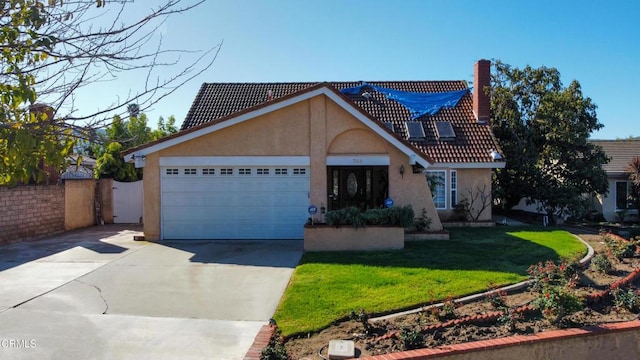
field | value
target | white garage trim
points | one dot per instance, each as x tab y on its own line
357	160
235	161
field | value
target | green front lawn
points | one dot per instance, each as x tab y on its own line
326	287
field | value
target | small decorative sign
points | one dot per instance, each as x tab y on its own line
313	210
388	203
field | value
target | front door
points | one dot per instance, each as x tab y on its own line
360	186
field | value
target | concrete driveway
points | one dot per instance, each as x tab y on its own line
98	294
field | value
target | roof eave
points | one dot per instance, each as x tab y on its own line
472	165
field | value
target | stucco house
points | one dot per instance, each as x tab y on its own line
251	158
620	152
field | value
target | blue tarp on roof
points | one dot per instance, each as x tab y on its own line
417	103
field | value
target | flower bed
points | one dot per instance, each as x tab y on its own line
605	298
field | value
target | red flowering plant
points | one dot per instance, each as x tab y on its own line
556	302
496	297
549	273
554	285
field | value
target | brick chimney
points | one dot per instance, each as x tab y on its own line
481	100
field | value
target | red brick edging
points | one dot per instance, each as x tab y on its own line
260	342
597	297
426	354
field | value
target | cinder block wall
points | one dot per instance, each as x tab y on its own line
30	211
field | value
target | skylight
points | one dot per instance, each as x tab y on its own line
389	126
415	130
445	130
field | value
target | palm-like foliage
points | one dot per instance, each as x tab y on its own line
634	176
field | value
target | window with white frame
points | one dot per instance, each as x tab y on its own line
624	199
436	179
453	185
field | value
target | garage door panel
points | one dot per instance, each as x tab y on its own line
250	205
223	230
236	199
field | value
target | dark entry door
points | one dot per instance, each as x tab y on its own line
361	186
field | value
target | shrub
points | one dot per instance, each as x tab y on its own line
461	210
625	250
393	216
550	274
355	217
601	264
411	339
448	310
620	215
336	218
275	350
497	298
401	216
627	299
556	302
423	222
553	283
510	318
363	318
618	248
376	216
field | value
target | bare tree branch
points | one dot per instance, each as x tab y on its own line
73	51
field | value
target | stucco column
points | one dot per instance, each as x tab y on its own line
411	189
318	150
151	196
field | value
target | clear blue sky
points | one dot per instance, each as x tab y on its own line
594	42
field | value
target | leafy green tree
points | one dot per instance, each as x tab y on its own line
543	128
51	49
165	128
139	131
126	134
117	131
111	165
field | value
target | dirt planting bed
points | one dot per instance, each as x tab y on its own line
603	298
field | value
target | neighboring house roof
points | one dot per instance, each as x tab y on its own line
473	142
620	152
82	171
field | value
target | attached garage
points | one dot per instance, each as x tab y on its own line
224	200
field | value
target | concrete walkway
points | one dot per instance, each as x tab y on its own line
503	220
98	294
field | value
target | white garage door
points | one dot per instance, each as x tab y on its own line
234	202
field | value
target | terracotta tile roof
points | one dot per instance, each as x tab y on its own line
473	142
621	153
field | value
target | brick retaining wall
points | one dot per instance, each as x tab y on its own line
30	211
